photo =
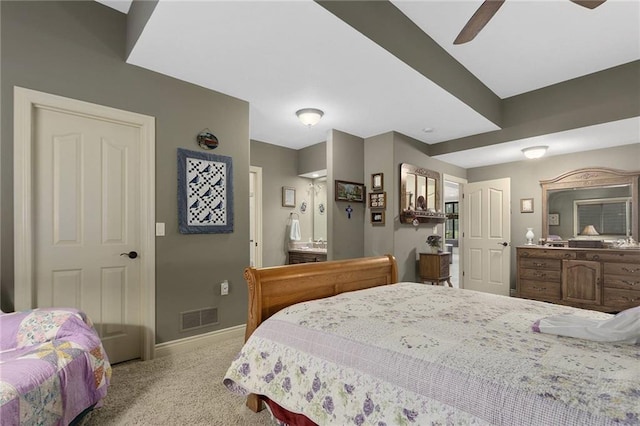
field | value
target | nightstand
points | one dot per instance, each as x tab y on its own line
434	267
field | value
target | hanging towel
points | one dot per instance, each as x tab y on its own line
295	230
622	328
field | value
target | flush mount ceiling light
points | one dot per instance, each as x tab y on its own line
535	151
309	116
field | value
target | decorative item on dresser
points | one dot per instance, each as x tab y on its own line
599	279
434	267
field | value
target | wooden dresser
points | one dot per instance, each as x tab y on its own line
600	279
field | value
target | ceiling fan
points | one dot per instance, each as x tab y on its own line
489	8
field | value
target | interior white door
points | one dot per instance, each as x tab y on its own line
255	217
87	215
486	236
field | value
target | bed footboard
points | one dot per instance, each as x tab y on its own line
274	288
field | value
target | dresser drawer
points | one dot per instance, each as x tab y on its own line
547	254
628	269
622	281
540	289
540	274
618	256
536	263
621	299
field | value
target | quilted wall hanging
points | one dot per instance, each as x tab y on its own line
205	193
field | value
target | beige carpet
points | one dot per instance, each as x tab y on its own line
176	390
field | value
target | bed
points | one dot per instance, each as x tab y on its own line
53	368
320	352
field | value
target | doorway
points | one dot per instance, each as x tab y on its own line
255	216
486	236
85	194
453	189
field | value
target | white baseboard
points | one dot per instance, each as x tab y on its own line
180	346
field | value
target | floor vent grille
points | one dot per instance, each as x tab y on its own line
198	318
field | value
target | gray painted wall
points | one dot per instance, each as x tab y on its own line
312	158
378	158
76	50
345	161
280	168
408	239
525	183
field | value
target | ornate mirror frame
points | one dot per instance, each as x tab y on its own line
418	206
596	177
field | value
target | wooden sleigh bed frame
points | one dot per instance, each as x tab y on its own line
274	288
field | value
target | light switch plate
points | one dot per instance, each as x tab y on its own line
160	229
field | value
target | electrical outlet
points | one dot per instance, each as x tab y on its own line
224	288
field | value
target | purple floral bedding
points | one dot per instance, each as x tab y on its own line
52	367
418	354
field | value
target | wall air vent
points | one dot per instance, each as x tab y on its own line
204	317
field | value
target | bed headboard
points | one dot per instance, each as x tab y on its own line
274	288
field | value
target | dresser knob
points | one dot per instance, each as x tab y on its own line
631	271
631	283
596	257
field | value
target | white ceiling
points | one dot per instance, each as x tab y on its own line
283	56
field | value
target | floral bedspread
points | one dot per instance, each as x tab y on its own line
418	354
52	366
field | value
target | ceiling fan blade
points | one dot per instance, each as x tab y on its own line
589	4
479	19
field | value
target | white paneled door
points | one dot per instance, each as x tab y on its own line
487	235
87	232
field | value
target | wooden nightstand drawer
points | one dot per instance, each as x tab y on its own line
540	289
535	263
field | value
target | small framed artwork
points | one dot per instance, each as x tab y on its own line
349	191
526	205
288	196
377	182
554	219
378	200
377	217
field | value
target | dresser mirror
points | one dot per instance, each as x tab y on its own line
419	194
589	203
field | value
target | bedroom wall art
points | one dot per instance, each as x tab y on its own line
205	193
349	191
207	140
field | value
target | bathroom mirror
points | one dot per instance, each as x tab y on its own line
606	199
320	209
419	194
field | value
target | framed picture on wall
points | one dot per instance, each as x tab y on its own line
288	196
377	182
377	200
377	217
554	219
349	191
526	205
